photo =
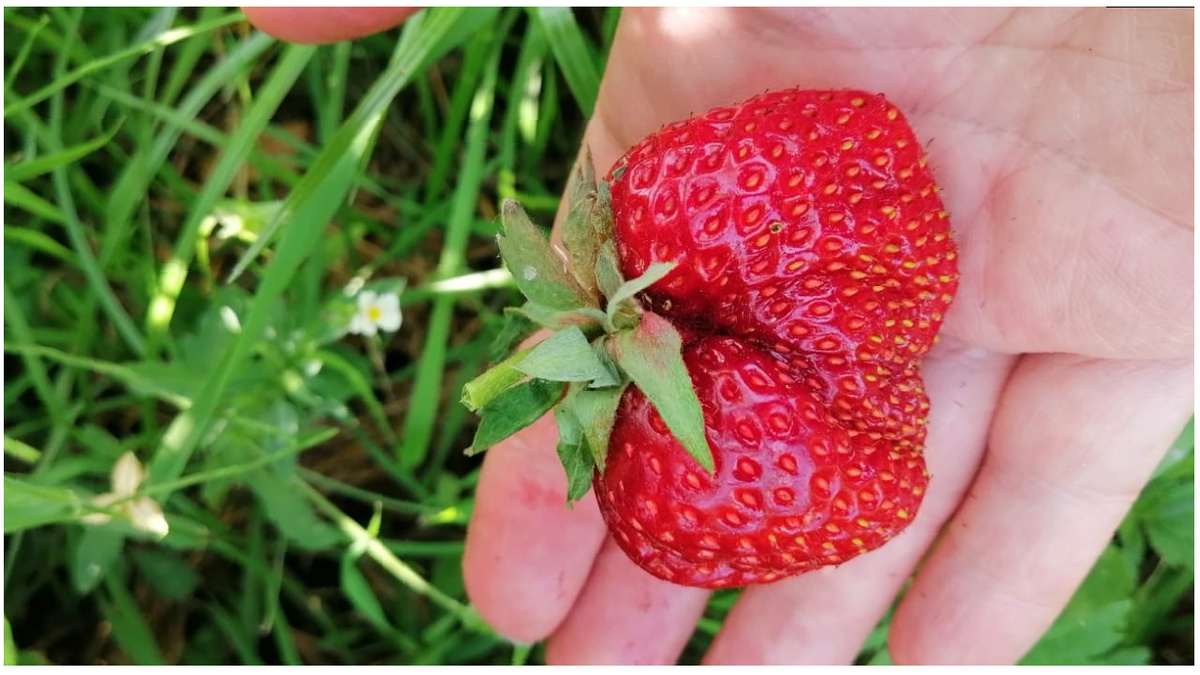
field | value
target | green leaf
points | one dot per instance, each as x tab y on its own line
589	223
557	320
157	42
129	627
98	550
614	372
29	505
23	198
573	53
596	410
289	511
539	271
1169	515
360	594
308	210
1082	639
513	410
23	171
565	356
632	287
173	578
651	354
1093	622
517	327
39	241
608	270
10	645
572	450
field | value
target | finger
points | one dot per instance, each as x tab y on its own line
1072	444
626	617
527	555
823	617
317	25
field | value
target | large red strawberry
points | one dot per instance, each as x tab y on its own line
792	490
792	262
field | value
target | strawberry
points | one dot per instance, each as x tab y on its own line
751	400
792	490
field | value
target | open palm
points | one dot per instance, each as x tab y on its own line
1063	142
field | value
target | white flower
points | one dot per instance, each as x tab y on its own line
143	512
376	311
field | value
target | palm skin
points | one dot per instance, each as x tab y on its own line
1063	142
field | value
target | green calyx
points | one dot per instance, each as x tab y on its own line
602	341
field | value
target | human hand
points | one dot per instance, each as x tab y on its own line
1062	140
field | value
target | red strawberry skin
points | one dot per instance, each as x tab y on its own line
791	491
807	225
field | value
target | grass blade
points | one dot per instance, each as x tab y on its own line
161	40
575	57
307	210
23	171
422	414
271	94
425	38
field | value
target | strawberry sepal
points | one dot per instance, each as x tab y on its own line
602	341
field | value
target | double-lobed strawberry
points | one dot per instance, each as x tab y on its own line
749	406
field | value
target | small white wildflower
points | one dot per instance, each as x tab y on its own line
143	512
375	312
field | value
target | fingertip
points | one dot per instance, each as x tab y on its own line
527	555
320	25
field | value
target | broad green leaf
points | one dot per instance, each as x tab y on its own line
513	410
572	450
1081	639
289	511
627	290
565	356
539	271
29	505
1169	514
1092	624
1129	656
651	354
98	550
173	578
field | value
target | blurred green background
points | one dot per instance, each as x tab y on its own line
189	207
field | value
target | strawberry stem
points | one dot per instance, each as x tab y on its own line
481	390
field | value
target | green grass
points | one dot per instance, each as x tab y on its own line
314	481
